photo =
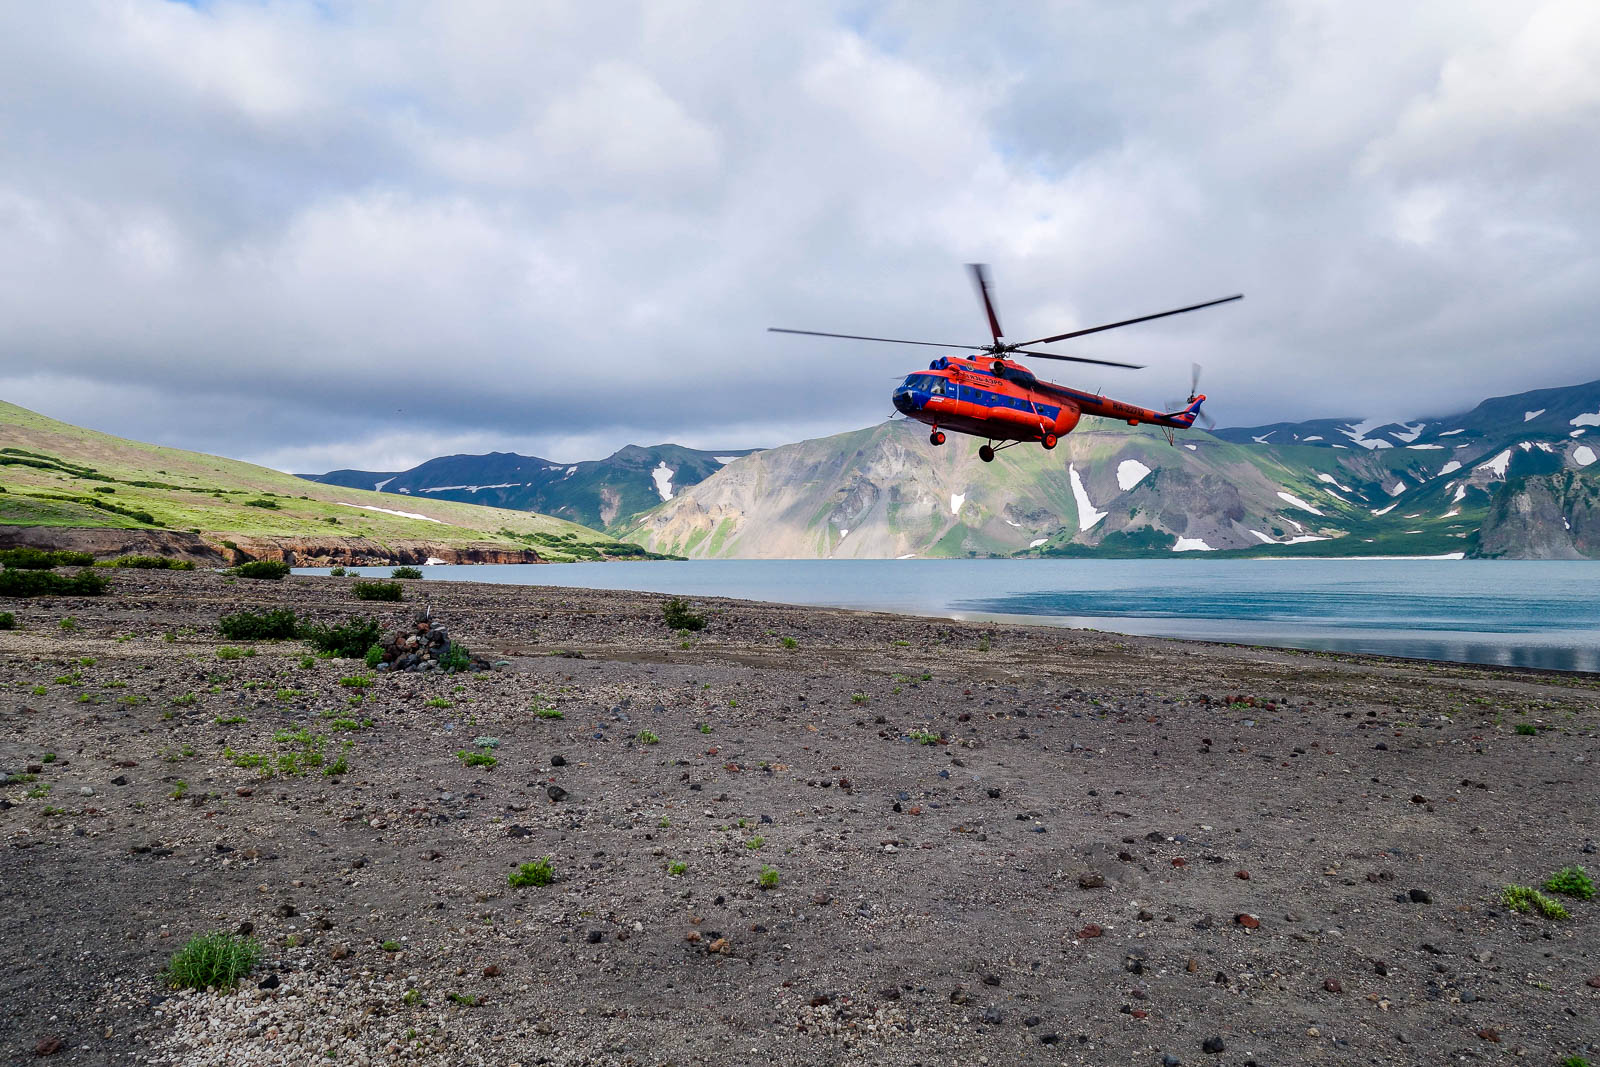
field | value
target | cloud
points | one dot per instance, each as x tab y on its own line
327	233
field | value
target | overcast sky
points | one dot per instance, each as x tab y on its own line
329	234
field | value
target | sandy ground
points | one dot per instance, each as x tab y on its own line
1100	857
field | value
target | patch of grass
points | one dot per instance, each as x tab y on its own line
391	946
350	639
462	999
229	652
476	759
548	712
180	789
705	728
40	791
768	878
336	572
923	737
39	690
356	681
645	737
286	695
679	616
439	702
153	563
377	591
534	874
1572	882
267	570
789	642
271	505
231	720
676	869
1527	729
755	843
455	659
858	698
187	700
1526	899
213	960
405	572
307	662
276	625
39	559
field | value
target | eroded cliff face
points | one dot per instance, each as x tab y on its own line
1549	516
103	543
206	551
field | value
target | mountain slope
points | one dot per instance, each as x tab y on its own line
600	494
1112	489
55	475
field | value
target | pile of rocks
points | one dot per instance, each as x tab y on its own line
423	647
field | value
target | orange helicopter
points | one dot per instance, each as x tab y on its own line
989	396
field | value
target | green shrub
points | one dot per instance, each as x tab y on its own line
1572	882
374	656
1525	899
39	559
350	639
645	737
229	652
336	572
768	878
8	621
153	563
456	658
679	617
537	874
356	681
277	625
20	583
270	570
405	572
476	759
1527	729
377	591
270	504
213	960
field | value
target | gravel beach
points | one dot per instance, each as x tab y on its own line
799	836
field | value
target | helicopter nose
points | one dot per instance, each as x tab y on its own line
903	402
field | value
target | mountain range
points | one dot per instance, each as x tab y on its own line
601	494
1513	477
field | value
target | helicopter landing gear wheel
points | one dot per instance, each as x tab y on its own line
936	437
1049	441
986	453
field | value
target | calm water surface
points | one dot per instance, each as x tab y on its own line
1519	613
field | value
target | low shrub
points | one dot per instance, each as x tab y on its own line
277	625
336	572
213	960
350	639
405	572
1526	899
455	659
377	591
8	621
264	569
537	874
153	563
1569	881
271	504
679	617
40	559
20	583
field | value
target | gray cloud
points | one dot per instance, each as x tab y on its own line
334	234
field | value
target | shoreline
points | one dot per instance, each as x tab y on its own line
1035	841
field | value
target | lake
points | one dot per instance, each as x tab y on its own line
1510	613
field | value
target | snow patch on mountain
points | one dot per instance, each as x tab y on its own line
1452	433
1037	541
662	476
956	500
1583	455
1385	511
1585	420
1461	491
388	511
379	487
1411	434
724	460
1497	464
1399	487
1529	416
1087	515
1426	448
1191	544
1130	472
1448	468
1294	501
1331	480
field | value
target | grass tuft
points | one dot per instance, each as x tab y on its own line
535	874
213	960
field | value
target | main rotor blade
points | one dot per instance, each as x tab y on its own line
1130	322
1074	359
980	278
889	340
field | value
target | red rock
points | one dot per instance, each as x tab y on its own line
1179	861
492	971
1089	931
1246	920
1139	1013
1243	876
1332	985
48	1046
1594	982
1489	1033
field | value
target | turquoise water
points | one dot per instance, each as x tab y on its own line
1519	613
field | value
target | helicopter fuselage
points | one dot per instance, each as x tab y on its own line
1002	401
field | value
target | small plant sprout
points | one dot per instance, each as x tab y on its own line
439	702
924	737
768	878
68	624
1525	899
789	642
534	874
676	869
858	698
664	823
705	728
755	843
215	960
476	759
645	737
391	946
1572	882
1527	729
180	789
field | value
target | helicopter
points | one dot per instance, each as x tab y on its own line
992	396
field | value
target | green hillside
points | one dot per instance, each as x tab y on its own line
53	474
